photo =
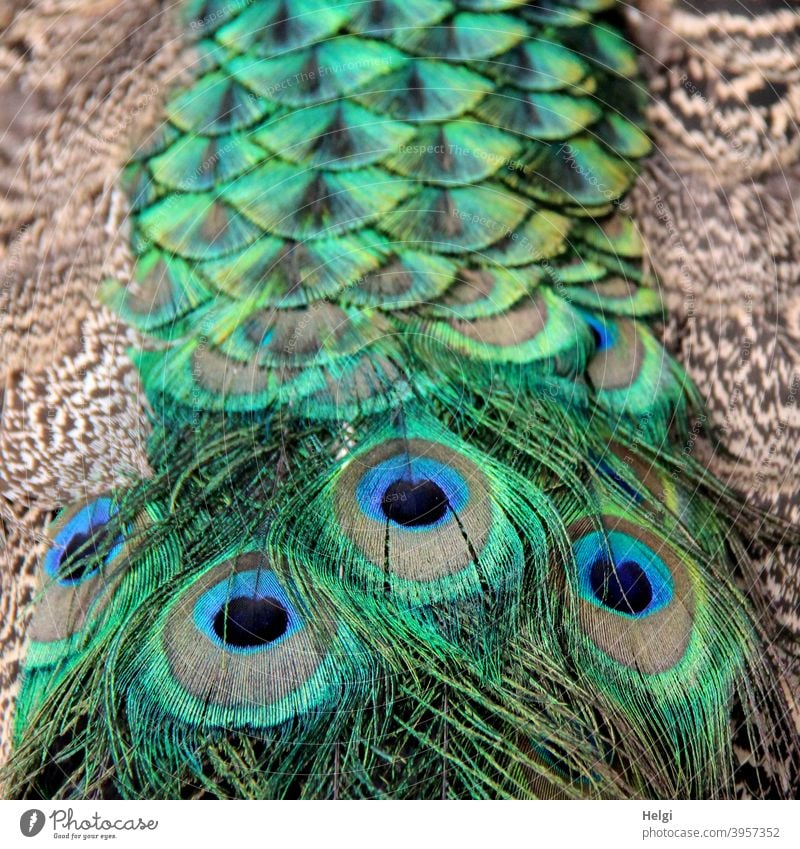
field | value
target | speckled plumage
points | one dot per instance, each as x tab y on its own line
72	415
718	207
78	108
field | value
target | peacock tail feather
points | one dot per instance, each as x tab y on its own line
421	522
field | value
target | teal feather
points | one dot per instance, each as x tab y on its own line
284	273
196	226
335	136
197	163
270	29
216	105
537	65
426	90
465	37
421	523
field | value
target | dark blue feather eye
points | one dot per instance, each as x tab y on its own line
246	622
622	573
604	335
73	557
623	587
250	611
417	493
415	503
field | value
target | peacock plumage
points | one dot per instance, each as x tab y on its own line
725	178
417	517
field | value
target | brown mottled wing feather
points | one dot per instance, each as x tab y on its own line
717	206
83	81
80	83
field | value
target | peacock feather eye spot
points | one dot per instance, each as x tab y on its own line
247	612
246	622
623	587
622	574
414	503
78	559
410	490
83	544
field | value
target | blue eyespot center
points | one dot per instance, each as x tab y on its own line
414	503
623	587
603	334
621	573
415	493
84	543
247	612
251	622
